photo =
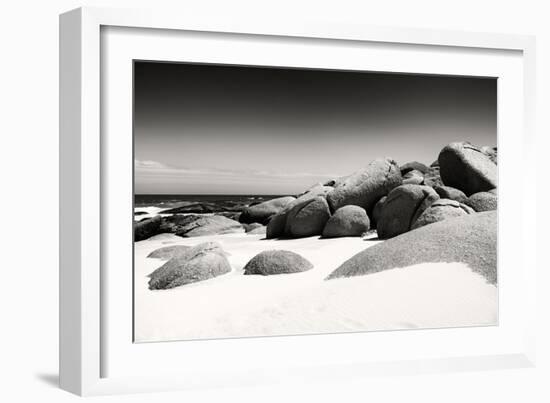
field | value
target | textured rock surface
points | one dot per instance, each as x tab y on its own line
433	177
147	228
448	192
169	252
466	167
402	207
440	210
307	218
347	221
199	225
483	201
201	262
471	239
276	226
277	262
366	186
262	212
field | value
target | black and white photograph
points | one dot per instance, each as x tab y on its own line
274	201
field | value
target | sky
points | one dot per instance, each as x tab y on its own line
219	129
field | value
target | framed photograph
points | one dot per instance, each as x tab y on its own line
247	202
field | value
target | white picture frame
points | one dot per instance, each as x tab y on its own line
94	329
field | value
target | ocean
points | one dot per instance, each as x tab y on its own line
196	204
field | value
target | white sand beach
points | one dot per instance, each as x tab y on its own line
235	305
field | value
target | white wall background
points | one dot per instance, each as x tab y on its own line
29	201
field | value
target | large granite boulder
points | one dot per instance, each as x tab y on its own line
168	252
147	228
466	167
366	186
448	192
307	218
483	201
470	239
347	221
201	262
199	225
262	212
276	226
440	210
277	262
413	166
403	206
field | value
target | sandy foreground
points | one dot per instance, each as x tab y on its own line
234	305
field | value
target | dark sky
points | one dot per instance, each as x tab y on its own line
207	129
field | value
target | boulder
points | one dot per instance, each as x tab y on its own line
402	207
448	192
366	186
413	166
147	228
276	226
433	177
169	252
413	177
199	225
466	167
165	237
440	210
315	190
483	201
347	221
277	262
377	211
307	218
262	212
470	239
201	262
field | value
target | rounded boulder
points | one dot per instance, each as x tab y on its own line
364	187
307	218
402	207
277	262
347	221
448	192
468	168
440	210
262	212
483	201
201	262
